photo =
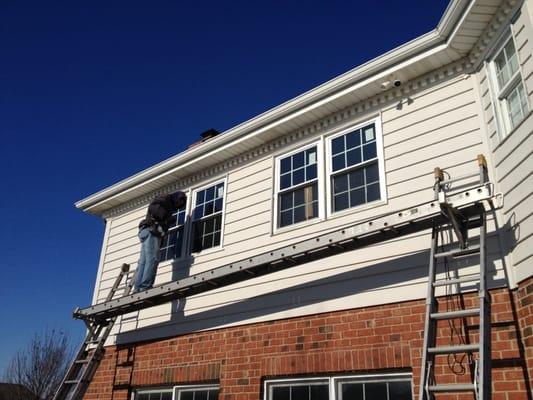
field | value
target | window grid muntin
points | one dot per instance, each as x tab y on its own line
207	217
172	243
286	168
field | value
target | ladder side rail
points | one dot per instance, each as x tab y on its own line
385	227
484	367
429	326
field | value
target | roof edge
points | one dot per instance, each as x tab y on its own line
446	26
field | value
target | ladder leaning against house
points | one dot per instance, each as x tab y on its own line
458	211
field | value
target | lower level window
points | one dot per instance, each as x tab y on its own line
364	387
196	393
155	394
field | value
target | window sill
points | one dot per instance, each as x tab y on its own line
508	135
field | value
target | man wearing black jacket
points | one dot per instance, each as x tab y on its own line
151	230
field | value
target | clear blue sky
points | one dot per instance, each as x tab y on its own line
92	92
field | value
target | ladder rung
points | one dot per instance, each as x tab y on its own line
471	312
82	361
457	387
458	252
461	348
72	382
92	341
463	279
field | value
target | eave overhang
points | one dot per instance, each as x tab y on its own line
437	45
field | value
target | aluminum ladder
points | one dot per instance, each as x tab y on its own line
91	351
480	383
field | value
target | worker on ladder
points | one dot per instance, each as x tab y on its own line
152	229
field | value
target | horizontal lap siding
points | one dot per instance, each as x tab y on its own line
439	127
513	157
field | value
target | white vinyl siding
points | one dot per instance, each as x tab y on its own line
512	154
440	127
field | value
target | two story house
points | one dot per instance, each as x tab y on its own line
349	326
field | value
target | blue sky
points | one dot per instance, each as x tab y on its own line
92	92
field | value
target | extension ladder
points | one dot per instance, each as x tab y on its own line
459	246
91	351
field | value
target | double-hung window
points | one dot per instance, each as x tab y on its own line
509	92
172	242
375	387
207	217
354	168
297	186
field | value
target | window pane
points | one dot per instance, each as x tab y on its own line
286	201
376	390
353	139
299	197
209	193
166	396
369	151
340	183
310	156
319	392
337	145
368	134
400	391
141	396
213	394
300	393
299	214
200	395
285	165
186	395
298	160
218	205
286	218
357	197
353	157
203	233
298	176
372	173
198	212
281	393
208	208
352	391
310	172
338	162
285	181
372	192
357	178
200	196
341	202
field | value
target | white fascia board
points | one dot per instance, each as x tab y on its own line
375	69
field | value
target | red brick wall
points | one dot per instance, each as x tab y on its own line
382	338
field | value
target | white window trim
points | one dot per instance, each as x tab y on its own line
189	237
189	388
499	106
333	381
319	179
381	168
